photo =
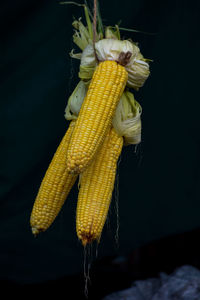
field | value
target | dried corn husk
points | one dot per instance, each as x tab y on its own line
108	48
75	101
127	121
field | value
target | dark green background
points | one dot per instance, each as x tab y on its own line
158	183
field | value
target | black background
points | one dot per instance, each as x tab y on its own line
158	181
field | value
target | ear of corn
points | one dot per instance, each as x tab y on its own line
54	188
95	116
96	186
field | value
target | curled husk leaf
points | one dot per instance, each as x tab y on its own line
127	121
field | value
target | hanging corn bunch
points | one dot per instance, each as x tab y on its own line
104	117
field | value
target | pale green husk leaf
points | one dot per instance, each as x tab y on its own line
75	101
75	55
127	121
112	33
81	36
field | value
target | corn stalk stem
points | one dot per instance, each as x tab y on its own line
95	28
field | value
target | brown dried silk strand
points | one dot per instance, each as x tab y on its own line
124	58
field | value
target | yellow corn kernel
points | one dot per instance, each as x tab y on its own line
54	188
95	116
96	187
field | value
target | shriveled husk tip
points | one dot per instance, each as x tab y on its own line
127	121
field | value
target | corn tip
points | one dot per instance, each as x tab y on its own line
87	238
35	231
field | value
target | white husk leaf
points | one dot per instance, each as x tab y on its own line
88	63
88	58
109	49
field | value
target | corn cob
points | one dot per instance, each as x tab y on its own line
95	116
96	186
54	188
